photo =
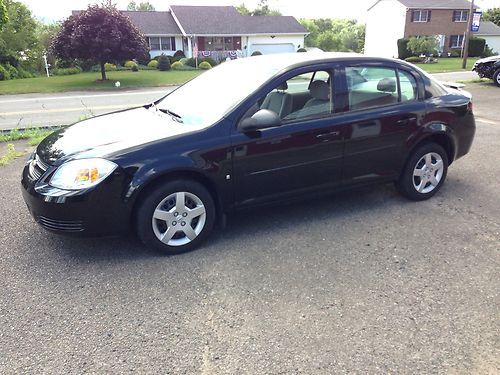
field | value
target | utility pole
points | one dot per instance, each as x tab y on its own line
467	35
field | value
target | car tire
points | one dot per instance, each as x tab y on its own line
176	217
424	172
496	77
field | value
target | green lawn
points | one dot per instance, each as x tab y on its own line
88	81
452	64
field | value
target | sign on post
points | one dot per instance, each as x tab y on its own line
476	22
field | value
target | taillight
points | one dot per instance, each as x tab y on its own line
470	106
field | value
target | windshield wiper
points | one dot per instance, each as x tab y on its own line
169	112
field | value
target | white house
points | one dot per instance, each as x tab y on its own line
491	32
217	32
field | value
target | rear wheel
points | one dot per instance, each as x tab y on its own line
176	217
496	77
424	173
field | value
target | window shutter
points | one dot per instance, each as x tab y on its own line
172	42
429	16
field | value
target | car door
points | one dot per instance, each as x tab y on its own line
304	152
382	111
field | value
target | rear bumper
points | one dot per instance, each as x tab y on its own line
93	212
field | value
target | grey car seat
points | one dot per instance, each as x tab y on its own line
279	101
320	92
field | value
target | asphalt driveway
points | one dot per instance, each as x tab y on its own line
363	282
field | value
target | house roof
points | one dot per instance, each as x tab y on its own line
488	28
226	20
433	4
151	23
154	22
437	4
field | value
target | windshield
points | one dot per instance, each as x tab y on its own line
205	99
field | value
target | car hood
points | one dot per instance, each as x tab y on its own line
103	135
487	60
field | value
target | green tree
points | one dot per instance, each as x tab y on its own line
492	15
3	14
45	34
262	9
18	35
423	46
334	34
145	7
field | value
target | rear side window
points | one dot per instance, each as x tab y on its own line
370	87
408	86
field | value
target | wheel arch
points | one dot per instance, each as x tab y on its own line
186	174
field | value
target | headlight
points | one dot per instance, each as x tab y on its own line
82	173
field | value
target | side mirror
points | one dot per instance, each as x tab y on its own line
262	119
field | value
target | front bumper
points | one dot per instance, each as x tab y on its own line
97	211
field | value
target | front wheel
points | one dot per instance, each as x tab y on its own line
176	217
496	77
424	173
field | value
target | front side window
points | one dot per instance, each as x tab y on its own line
304	96
456	41
421	16
460	15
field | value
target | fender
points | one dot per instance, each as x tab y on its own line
430	130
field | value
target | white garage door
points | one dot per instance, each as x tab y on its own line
268	49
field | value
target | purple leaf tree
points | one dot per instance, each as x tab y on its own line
101	34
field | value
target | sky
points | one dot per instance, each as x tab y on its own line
53	10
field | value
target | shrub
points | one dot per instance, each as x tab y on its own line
455	52
163	63
177	65
180	66
130	64
153	64
184	60
135	68
12	71
256	53
109	67
427	45
301	50
21	73
179	53
476	46
414	59
66	71
488	51
205	65
4	74
209	60
191	62
403	51
174	59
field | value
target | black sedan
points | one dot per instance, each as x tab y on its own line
248	132
488	67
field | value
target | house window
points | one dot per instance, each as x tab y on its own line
217	43
163	43
460	15
456	41
421	16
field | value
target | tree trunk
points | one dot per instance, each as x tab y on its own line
103	71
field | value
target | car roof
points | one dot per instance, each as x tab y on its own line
284	61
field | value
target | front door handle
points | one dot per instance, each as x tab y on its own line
406	120
328	135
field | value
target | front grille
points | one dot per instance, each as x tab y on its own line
61	225
37	168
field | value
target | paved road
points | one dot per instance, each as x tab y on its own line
364	282
29	110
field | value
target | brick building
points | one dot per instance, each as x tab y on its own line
390	20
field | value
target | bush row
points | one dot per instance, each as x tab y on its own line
477	48
8	71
